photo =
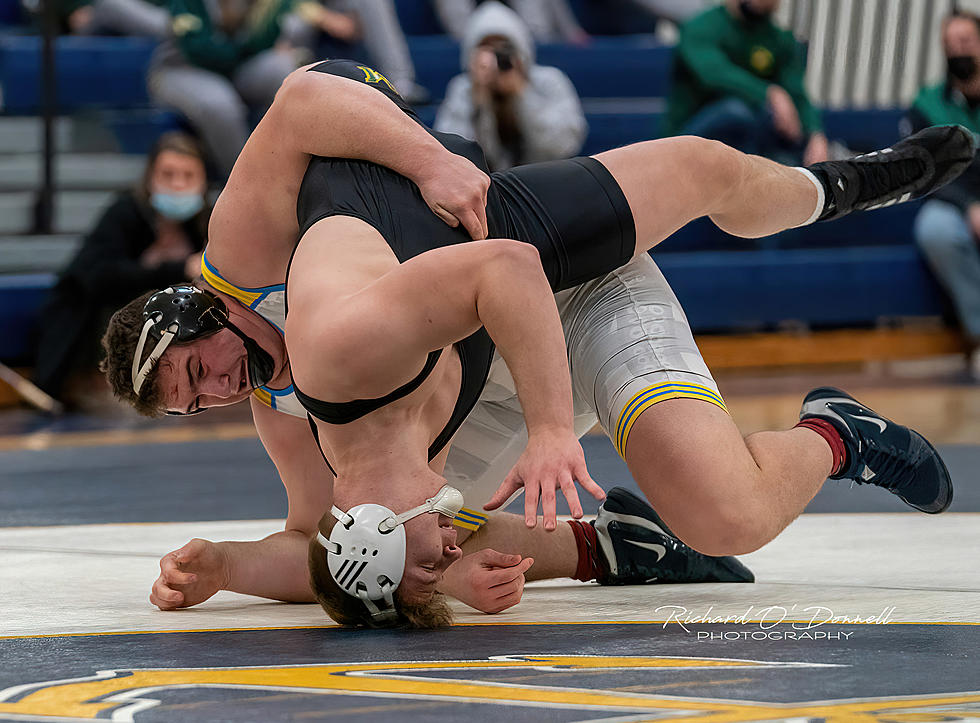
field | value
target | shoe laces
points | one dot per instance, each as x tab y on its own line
894	468
883	171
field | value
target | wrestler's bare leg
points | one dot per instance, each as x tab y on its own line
555	553
720	493
672	181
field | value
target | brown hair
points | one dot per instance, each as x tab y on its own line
119	342
186	145
349	610
960	14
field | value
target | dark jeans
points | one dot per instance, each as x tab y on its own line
735	123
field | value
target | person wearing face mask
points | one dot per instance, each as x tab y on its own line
738	78
150	236
947	228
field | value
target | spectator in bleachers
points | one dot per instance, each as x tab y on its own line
371	23
225	59
518	111
550	21
738	78
148	18
947	228
149	237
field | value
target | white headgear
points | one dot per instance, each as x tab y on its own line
366	550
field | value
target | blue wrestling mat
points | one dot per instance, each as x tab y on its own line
558	672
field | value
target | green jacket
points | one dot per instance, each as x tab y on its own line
205	44
719	56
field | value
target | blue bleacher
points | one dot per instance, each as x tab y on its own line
21	297
91	72
748	290
724	282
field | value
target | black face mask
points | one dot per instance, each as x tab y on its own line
962	67
751	15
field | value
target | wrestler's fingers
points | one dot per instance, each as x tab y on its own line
481	216
509	487
492	558
471	222
164	597
587	483
178	577
507	575
568	489
531	493
549	506
445	215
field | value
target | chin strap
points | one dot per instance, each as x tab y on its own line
260	364
140	372
448	501
377	614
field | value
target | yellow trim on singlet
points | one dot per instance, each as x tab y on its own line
659	393
263	396
246	297
469	520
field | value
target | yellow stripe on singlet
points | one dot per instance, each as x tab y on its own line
469	520
659	393
263	396
246	297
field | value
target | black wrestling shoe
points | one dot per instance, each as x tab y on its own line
638	548
912	168
881	452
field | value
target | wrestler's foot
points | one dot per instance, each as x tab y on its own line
910	169
639	548
881	452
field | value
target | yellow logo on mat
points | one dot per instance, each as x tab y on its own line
127	692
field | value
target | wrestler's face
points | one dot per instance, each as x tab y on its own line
209	372
431	548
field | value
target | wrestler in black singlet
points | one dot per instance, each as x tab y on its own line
572	211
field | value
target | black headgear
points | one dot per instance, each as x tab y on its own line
185	313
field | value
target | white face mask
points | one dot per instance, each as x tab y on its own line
177	206
366	549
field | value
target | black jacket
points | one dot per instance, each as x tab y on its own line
103	276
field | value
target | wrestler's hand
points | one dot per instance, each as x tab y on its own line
190	575
487	580
552	459
456	191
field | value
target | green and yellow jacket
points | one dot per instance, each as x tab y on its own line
204	43
719	56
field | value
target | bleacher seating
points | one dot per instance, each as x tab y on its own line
725	283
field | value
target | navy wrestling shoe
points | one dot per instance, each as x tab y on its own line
910	169
881	452
638	548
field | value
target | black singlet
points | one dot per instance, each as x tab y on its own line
325	184
572	211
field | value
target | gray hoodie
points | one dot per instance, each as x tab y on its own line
549	113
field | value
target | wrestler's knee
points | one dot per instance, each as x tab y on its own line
718	529
711	516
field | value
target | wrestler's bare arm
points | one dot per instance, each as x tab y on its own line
274	567
390	324
326	115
